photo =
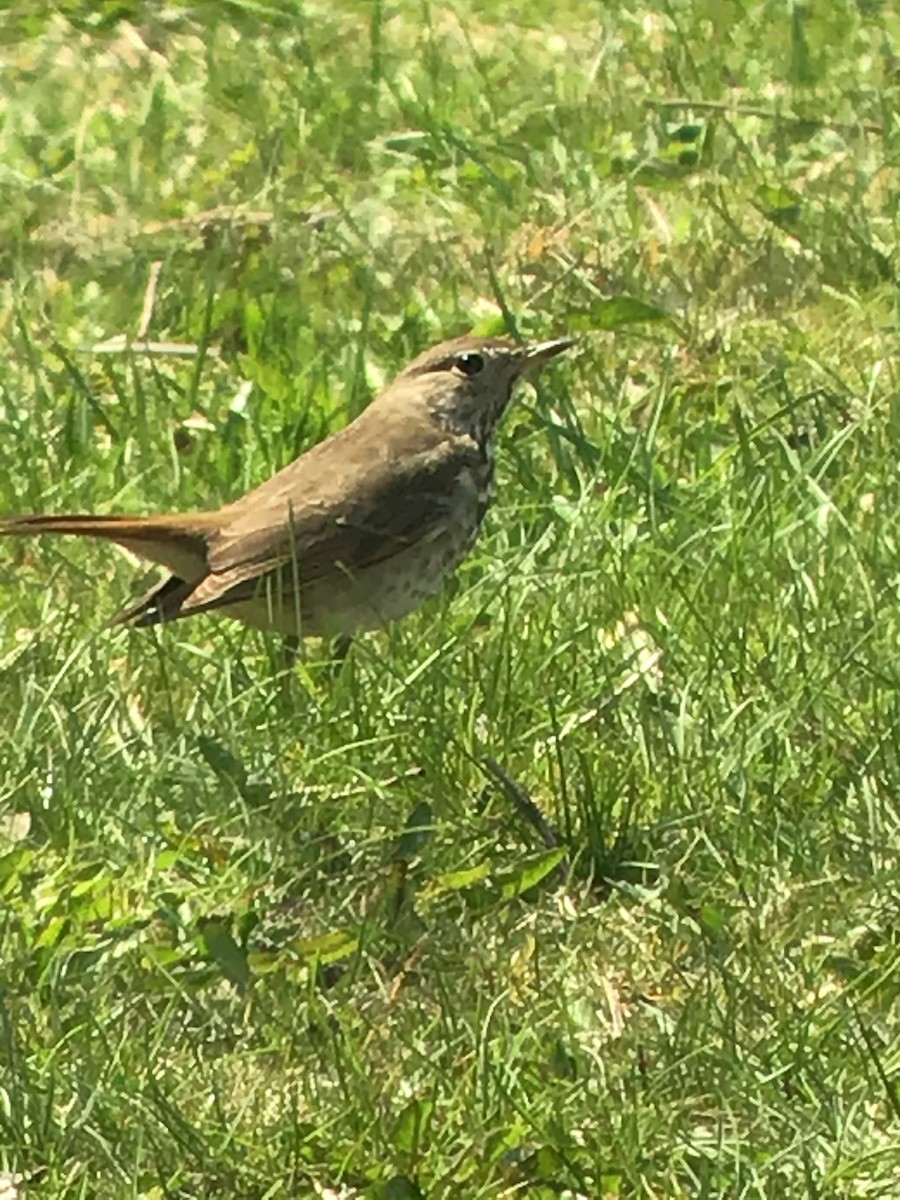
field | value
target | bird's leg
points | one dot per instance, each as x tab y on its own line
340	648
290	648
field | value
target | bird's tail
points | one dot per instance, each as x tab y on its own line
177	542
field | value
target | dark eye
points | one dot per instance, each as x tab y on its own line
470	364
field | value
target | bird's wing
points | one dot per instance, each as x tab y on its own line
289	533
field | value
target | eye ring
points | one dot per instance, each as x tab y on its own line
469	363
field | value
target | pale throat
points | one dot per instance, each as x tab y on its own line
476	419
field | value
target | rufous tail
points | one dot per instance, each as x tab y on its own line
177	542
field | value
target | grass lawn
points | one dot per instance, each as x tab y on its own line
268	935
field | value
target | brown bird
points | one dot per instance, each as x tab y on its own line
356	532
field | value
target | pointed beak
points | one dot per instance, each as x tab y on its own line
536	356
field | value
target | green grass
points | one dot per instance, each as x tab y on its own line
263	937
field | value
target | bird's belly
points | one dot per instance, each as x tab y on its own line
341	603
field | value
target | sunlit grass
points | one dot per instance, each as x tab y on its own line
271	934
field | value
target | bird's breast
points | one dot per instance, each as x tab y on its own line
345	603
471	499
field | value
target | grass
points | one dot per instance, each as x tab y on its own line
266	938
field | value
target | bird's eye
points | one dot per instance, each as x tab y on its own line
470	364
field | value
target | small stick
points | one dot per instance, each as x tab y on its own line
527	810
767	114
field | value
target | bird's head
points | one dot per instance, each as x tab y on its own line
466	383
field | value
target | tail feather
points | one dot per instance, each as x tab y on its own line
178	543
162	603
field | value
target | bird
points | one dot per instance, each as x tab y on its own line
355	533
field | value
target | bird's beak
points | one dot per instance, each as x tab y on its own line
536	356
